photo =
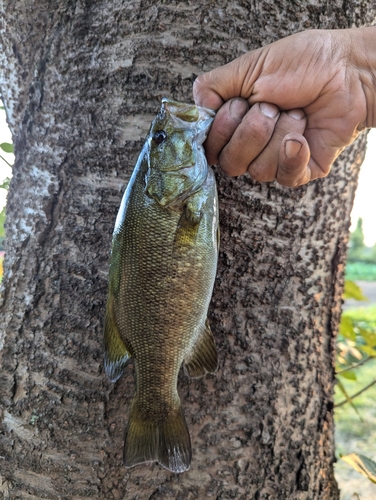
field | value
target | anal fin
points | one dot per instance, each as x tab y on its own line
203	358
116	355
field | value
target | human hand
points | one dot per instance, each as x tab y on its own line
287	110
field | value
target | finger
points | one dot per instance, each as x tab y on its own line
249	139
325	149
264	168
293	169
204	95
225	123
319	171
221	84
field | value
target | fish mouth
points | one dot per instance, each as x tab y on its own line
186	112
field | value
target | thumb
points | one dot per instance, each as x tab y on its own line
235	79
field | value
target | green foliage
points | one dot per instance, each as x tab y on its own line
346	328
358	252
365	317
357	237
352	291
356	432
362	464
362	271
5	183
356	342
350	375
356	346
7	147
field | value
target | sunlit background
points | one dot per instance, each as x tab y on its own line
365	200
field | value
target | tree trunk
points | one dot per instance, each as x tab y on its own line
80	81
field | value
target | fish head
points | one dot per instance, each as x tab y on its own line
177	165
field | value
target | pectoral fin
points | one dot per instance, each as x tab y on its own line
186	233
189	222
116	355
203	357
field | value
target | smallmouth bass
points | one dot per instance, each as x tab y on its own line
163	265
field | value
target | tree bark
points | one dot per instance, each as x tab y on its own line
80	82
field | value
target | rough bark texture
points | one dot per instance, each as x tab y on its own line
80	81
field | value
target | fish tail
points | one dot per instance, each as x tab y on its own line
165	440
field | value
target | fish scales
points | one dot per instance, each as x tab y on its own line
163	266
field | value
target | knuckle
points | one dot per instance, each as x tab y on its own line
258	123
287	181
293	175
197	84
291	169
229	166
257	133
260	173
325	170
288	175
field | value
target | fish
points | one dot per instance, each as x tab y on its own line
162	270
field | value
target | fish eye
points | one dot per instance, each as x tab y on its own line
159	136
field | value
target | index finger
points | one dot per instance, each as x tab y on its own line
225	123
204	95
235	79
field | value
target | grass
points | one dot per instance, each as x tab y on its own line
357	433
362	271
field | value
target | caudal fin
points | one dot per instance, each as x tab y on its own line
166	441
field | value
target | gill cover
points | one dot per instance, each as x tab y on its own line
177	166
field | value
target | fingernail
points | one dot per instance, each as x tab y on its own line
292	148
298	114
269	110
238	108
